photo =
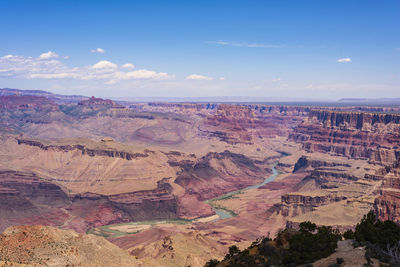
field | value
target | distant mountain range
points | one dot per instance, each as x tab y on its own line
70	99
371	100
60	99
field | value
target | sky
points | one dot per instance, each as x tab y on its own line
312	49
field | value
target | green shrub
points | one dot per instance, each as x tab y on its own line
311	243
380	238
349	234
339	261
307	247
377	232
212	263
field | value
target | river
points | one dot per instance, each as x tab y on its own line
117	230
224	213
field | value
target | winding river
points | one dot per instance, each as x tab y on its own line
118	230
224	213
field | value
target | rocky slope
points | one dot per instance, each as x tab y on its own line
48	246
171	247
27	199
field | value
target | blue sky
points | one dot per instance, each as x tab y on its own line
321	49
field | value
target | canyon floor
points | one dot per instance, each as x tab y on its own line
176	184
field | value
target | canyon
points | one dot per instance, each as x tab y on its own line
152	179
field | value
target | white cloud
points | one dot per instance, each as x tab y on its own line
222	78
61	75
276	80
98	50
104	64
146	74
140	75
344	60
198	77
48	55
128	66
32	68
249	45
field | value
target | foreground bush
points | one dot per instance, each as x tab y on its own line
382	239
290	247
310	243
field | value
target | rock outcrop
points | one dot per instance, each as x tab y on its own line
295	204
106	152
303	162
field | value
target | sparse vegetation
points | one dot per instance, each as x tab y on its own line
339	261
310	243
349	234
212	263
290	246
382	239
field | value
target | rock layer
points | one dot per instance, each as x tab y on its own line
110	152
375	137
25	198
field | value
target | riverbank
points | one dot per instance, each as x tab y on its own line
225	213
119	230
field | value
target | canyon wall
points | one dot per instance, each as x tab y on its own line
375	137
387	204
218	173
235	124
107	152
27	199
24	103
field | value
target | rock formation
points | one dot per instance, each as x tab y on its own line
25	103
107	152
25	198
96	103
355	135
208	177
